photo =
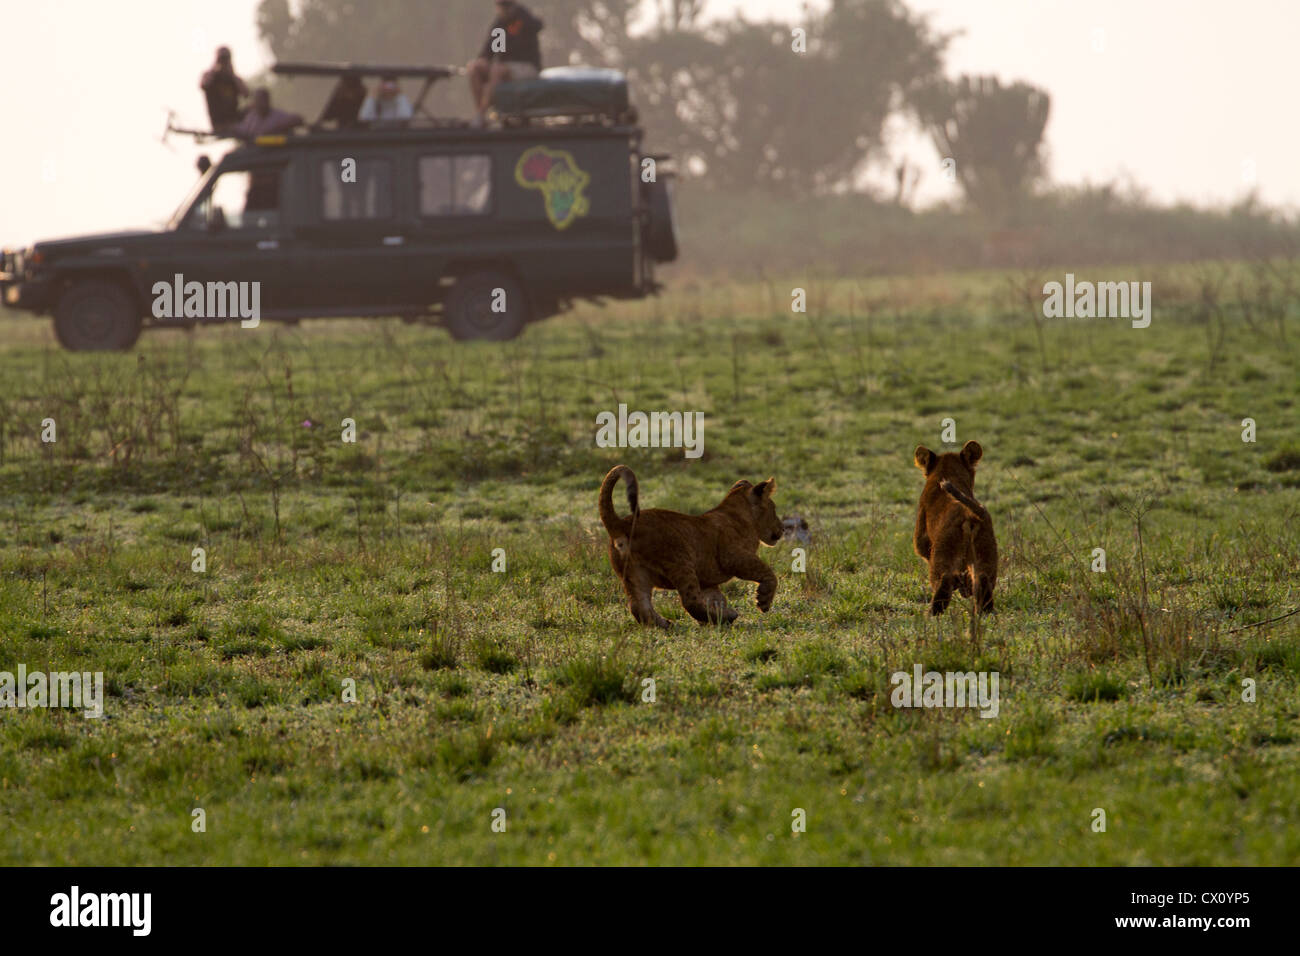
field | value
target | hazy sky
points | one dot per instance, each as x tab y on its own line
1188	98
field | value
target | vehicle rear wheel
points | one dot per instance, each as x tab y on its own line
95	315
486	306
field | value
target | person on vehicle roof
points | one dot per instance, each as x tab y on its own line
223	90
264	120
345	102
510	52
389	107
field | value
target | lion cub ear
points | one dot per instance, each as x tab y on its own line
743	484
765	489
924	458
971	452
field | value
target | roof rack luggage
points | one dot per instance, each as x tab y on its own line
569	91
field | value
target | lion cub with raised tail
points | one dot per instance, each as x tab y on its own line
954	531
691	554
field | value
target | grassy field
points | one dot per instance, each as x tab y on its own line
330	563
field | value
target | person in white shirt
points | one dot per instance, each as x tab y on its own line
390	105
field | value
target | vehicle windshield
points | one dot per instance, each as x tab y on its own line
178	217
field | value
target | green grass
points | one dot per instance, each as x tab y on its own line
365	571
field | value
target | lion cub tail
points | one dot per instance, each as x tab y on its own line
616	526
976	509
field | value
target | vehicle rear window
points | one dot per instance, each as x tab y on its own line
370	197
455	185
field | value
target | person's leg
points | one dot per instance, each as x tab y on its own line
497	73
478	78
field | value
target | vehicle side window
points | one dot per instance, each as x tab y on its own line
370	197
455	185
239	199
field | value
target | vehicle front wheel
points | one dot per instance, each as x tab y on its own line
96	316
486	306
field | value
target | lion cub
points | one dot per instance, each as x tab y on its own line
691	554
954	531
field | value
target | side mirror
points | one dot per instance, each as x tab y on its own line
204	165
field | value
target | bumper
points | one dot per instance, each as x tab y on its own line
32	295
20	289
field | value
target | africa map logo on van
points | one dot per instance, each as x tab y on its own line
556	174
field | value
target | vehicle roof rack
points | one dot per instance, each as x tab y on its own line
558	96
361	69
200	135
342	71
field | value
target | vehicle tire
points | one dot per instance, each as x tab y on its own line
468	313
661	233
95	315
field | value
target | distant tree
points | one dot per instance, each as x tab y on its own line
400	31
743	109
994	133
676	15
591	32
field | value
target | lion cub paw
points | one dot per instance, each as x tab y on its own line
719	611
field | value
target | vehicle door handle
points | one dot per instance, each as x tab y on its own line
394	240
269	244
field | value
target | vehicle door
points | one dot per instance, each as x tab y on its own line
239	229
354	236
455	205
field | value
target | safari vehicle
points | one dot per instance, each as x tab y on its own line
479	230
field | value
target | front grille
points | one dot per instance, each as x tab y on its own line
11	264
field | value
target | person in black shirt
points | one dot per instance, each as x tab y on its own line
345	102
223	89
510	52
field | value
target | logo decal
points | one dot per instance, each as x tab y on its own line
561	182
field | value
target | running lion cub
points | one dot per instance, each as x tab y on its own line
954	531
691	554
